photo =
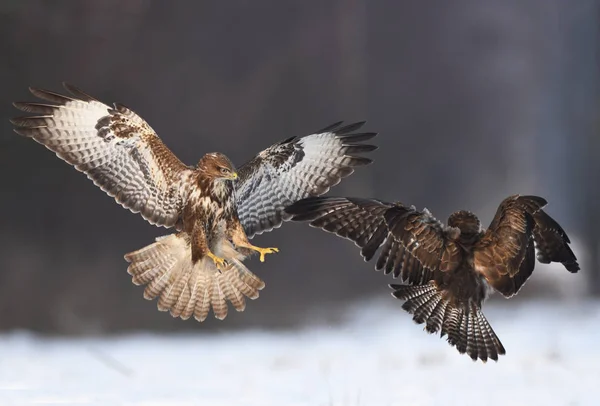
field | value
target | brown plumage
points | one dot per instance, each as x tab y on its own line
214	208
447	269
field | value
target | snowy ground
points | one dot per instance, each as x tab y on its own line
379	357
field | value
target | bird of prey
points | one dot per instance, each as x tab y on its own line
447	270
214	209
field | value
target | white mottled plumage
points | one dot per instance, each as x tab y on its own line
123	155
293	170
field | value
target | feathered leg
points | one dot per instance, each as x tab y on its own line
240	239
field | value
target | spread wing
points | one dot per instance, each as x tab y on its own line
358	220
294	169
114	147
505	255
413	244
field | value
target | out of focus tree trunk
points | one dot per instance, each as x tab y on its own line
593	208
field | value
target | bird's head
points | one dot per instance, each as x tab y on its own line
217	166
465	221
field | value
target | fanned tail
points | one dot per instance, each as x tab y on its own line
465	325
185	289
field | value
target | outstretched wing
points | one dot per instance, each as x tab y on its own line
505	255
413	244
114	147
358	220
294	169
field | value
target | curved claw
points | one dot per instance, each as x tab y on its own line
220	263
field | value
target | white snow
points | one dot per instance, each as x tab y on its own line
378	357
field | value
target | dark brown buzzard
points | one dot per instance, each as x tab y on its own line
214	208
447	270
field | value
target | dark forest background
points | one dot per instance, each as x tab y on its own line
474	100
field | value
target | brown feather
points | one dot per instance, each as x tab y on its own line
448	269
505	255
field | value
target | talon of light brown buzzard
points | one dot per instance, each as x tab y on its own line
220	263
264	251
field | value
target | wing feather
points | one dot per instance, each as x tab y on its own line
294	169
372	224
552	242
114	147
504	255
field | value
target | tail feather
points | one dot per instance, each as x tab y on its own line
179	276
463	335
179	310
247	285
159	283
219	305
464	324
231	292
493	342
434	321
478	335
424	312
203	304
451	325
184	288
472	344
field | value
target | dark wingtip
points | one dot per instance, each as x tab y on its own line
572	267
536	199
329	128
37	92
77	92
352	149
349	128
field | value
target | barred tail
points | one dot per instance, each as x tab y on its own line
465	325
185	289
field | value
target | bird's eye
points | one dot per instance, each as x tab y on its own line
224	170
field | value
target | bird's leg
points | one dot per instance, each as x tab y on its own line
200	248
240	239
261	251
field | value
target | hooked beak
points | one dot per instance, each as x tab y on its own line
233	176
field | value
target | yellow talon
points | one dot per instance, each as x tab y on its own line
264	251
220	263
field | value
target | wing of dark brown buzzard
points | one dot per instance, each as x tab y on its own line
294	169
413	243
552	242
114	147
505	255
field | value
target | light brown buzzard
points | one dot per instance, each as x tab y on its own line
214	208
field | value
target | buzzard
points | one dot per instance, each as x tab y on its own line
447	270
214	208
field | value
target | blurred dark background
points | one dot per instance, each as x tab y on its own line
474	100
